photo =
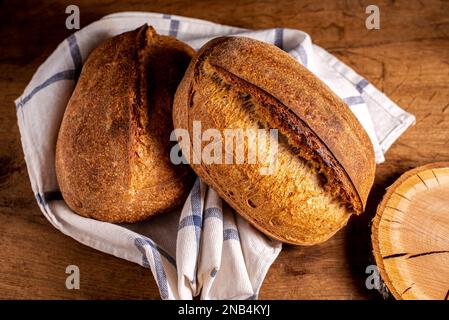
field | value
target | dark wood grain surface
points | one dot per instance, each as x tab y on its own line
408	58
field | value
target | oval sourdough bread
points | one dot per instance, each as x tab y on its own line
112	154
325	162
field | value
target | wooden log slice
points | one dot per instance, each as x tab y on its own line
410	234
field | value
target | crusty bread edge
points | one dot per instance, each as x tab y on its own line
181	107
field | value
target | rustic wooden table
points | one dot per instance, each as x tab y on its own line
408	58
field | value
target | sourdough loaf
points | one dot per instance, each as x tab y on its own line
112	153
325	160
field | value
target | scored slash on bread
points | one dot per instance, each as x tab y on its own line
112	154
113	149
326	160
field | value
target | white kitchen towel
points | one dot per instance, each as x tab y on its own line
204	249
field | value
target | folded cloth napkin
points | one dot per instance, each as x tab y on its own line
204	249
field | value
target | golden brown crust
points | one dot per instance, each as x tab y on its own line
318	125
326	115
112	155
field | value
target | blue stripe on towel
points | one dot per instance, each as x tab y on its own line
231	234
353	100
40	199
174	26
157	252
213	213
63	75
75	53
160	250
191	220
279	37
361	85
71	74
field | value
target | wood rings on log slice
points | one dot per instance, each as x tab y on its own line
410	234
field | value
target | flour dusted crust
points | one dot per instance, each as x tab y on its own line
326	160
112	154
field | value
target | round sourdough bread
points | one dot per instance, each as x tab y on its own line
325	161
112	153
